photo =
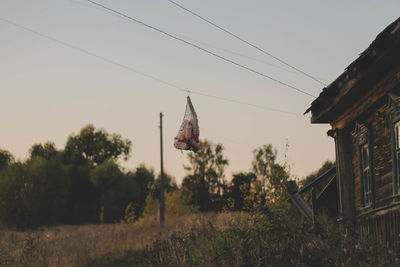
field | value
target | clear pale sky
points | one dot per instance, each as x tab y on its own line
49	91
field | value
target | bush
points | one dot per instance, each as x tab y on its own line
152	206
175	205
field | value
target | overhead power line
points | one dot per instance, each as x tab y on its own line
202	49
87	52
152	77
247	42
236	53
200	42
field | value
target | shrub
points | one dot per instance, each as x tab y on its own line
152	206
175	205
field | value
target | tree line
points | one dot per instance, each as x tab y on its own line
79	184
83	182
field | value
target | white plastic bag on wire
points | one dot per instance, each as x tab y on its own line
188	135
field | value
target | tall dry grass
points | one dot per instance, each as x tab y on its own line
274	237
103	245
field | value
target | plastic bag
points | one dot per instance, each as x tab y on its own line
188	135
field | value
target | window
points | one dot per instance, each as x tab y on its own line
396	155
365	175
392	117
361	135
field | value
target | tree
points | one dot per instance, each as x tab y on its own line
143	180
169	185
271	174
33	193
144	177
47	151
205	182
326	166
115	190
95	146
71	186
239	190
83	203
197	191
5	158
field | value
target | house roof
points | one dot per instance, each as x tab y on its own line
341	93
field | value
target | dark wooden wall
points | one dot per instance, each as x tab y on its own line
382	229
380	146
369	109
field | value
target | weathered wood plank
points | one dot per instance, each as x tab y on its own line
370	98
344	174
383	180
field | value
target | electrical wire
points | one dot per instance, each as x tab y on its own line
152	77
202	49
87	52
198	41
241	55
236	53
246	42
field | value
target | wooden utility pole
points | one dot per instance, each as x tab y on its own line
162	203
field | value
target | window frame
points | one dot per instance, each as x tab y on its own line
361	133
396	155
365	168
392	117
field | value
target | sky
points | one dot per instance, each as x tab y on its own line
50	90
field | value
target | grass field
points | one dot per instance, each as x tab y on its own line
101	245
273	238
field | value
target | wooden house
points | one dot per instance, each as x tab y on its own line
363	108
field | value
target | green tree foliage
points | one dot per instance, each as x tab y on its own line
33	193
13	196
83	152
81	184
5	158
47	150
326	166
239	190
143	179
114	190
197	191
176	204
83	205
95	146
82	202
271	174
205	182
169	185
